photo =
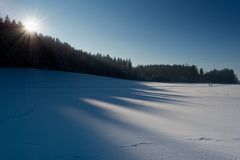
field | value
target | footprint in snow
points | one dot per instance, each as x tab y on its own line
203	139
19	112
135	145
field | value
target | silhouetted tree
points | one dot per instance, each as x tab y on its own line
14	23
7	20
20	24
201	72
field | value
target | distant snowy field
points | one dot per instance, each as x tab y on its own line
51	115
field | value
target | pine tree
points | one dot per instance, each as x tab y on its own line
7	20
1	20
201	72
20	24
14	23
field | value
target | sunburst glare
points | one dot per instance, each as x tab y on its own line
32	25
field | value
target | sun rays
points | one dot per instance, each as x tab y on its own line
32	25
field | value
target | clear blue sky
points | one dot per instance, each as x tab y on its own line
201	32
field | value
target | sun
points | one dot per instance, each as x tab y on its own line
31	25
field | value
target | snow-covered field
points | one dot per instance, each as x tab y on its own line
50	115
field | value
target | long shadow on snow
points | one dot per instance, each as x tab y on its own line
86	134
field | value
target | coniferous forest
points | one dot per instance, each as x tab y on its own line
19	48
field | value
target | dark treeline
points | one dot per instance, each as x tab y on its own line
222	76
19	48
169	73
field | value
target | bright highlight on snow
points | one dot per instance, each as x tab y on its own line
31	25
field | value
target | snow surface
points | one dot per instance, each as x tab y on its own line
51	115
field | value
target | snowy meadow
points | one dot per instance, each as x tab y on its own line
70	116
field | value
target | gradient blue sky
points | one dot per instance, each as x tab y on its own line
201	32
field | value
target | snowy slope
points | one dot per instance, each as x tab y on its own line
69	116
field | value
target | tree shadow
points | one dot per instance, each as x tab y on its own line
78	116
